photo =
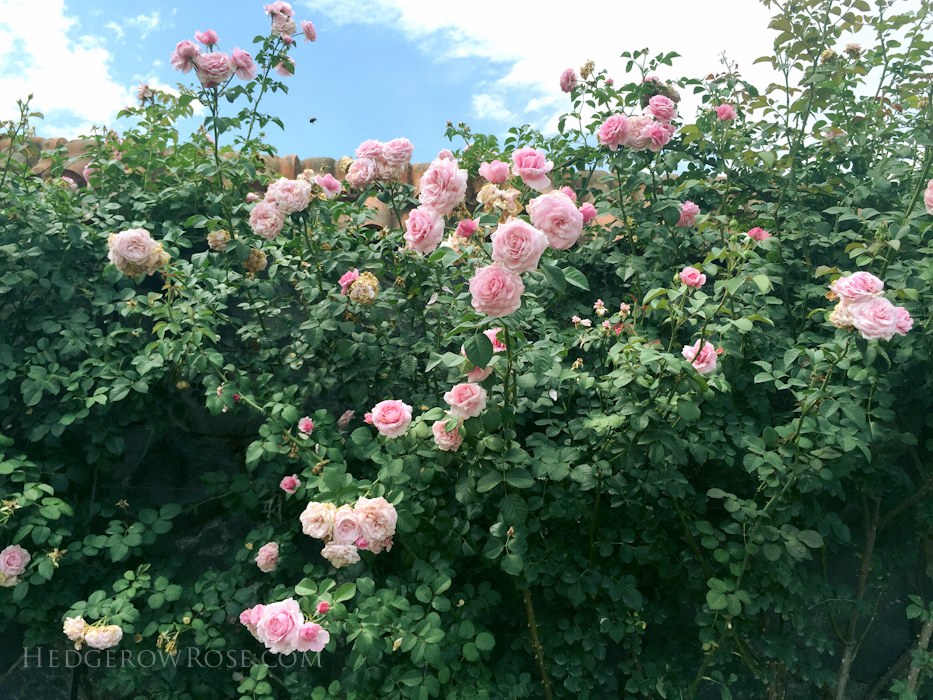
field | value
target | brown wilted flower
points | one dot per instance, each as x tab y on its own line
365	289
828	57
853	50
587	70
255	262
343	165
217	240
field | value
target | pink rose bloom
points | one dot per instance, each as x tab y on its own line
726	113
397	152
657	135
279	8
875	318
311	637
266	220
267	558
74	628
368	418
290	484
692	277
614	132
306	425
663	108
704	361
208	38
391	417
492	334
448	442
532	167
317	520
329	184
340	555
637	139
14	560
131	249
568	80
256	614
424	230
290	195
286	71
928	198
495	292
252	197
369	149
466	400
443	187
279	625
557	218
323	607
496	172
347	278
362	172
758	234
688	214
377	518
346	526
859	286
308	30
245	66
214	68
103	637
568	193
517	246
183	56
361	543
466	228
445	154
588	212
904	321
88	171
478	374
610	81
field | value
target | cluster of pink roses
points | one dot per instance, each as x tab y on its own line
369	525
382	162
95	636
283	628
862	307
133	252
13	562
651	130
283	197
442	189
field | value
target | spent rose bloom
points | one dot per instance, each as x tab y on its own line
377	518
568	80
311	637
496	172
133	252
278	627
532	167
688	214
726	113
614	132
859	286
442	187
308	30
290	484
183	56
74	628
266	220
344	421
340	555
306	425
466	228
218	240
391	417
874	318
448	442
704	361
143	92
424	230
517	246
208	38
758	234
495	291
840	316
346	526
466	400
692	277
14	560
214	68
329	184
347	278
252	197
663	108
290	196
362	172
557	218
317	520
267	558
245	66
103	637
588	212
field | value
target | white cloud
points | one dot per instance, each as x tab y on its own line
489	106
145	24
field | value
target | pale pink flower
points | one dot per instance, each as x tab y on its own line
306	425
323	607
466	400
496	172
103	637
568	193
397	152
424	230
758	234
557	218
245	66
478	374
532	167
143	92
256	613
586	323
840	316
308	30
495	291
14	560
446	154
266	220
290	484
614	132
311	637
369	149
346	526
492	334
208	38
568	80
329	184
442	187
448	442
74	628
252	197
588	212
344	421
347	278
278	627
377	518
391	417
576	319
317	520
704	361
279	8
133	252
368	418
638	139
663	108
928	198
904	321
340	555
184	55
362	172
466	228
657	135
692	277
726	113
859	286
215	68
71	184
875	318
607	324
284	27
267	558
517	246
688	214
286	70
290	195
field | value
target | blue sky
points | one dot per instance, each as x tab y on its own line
380	68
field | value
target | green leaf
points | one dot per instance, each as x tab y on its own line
689	411
485	641
512	564
811	538
519	478
576	278
764	284
771	551
345	592
554	276
478	350
489	481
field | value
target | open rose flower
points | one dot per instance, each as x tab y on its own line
442	187
104	637
317	520
588	212
284	27
557	218
279	7
347	278
184	55
657	135
329	184
133	252
424	230
391	417
639	139
859	286
290	196
568	80
663	108
290	484
306	425
466	400
74	629
278	627
370	148
904	321
267	558
308	30
517	246
214	69
448	442
688	214
532	167
311	637
874	318
346	526
726	113
377	518
14	560
266	220
495	291
245	66
692	277
496	172
362	172
703	360
397	152
614	132
340	555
